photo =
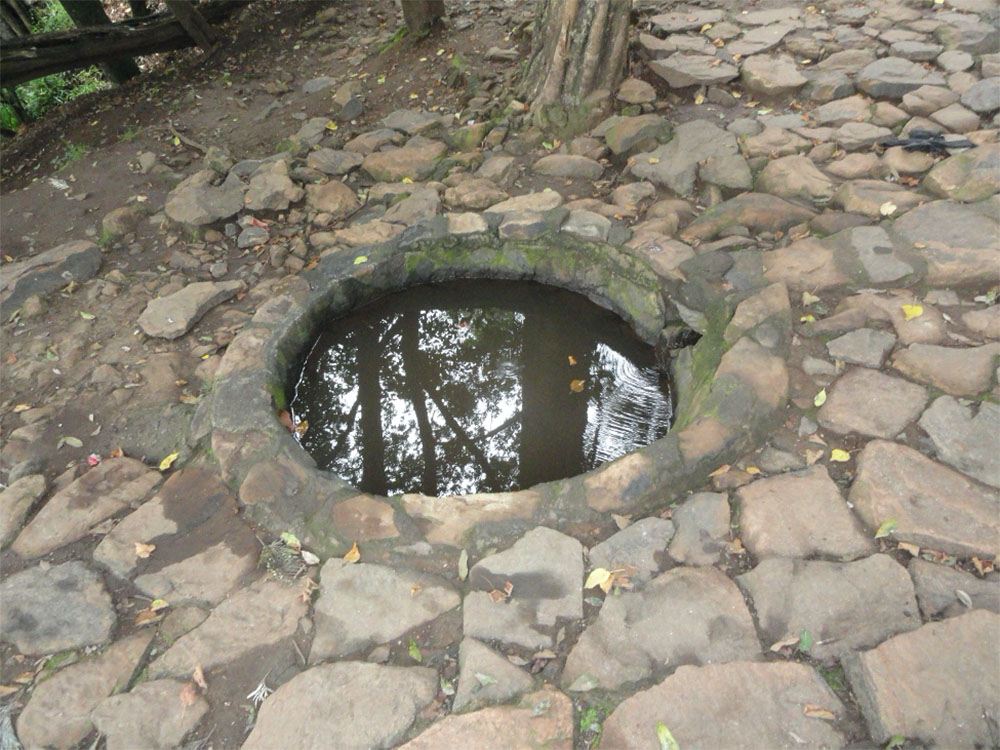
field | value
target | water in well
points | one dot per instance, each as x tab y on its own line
476	386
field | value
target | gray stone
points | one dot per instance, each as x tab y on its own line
197	201
870	198
314	85
423	203
915	50
970	176
46	272
702	522
54	609
675	164
764	705
983	96
760	39
587	224
629	132
955	61
985	323
151	716
727	171
849	109
476	193
681	70
827	85
686	615
172	316
272	191
334	198
926	100
546	571
773	143
960	371
346	623
252	237
795	177
893	77
410	162
757	212
105	490
852	136
122	221
641	545
933	506
966	438
772	76
374	706
879	259
968	35
467	223
333	162
541	201
799	515
866	346
937	588
687	20
843	606
636	91
848	60
871	403
960	654
58	713
373	140
497	168
16	501
411	122
524	225
957	119
486	677
568	165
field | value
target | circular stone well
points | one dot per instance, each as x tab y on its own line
731	387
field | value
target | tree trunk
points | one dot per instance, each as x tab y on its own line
578	47
91	13
194	23
420	14
15	18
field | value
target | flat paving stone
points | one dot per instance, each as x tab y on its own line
940	587
795	177
640	545
844	606
346	622
735	705
569	166
174	315
702	522
933	506
960	371
545	568
150	716
47	271
771	76
58	712
966	437
16	501
800	515
541	719
892	77
683	69
927	328
970	176
675	164
55	608
690	615
344	705
758	212
867	347
486	677
871	403
937	685
412	162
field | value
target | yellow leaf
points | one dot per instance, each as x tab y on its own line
576	385
414	96
699	99
888	208
572	359
24	407
820	398
353	554
199	677
330	125
912	311
913	549
597	577
144	550
818	712
720	471
360	259
810	318
886	528
839	455
407	180
621	521
608	583
157	604
752	470
654	160
167	462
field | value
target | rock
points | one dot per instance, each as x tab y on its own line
373	140
363	518
706	621
915	50
964	440
892	77
172	316
449	519
259	616
681	70
795	177
567	165
765	704
486	677
467	223
58	713
46	272
984	322
546	570
525	225
16	501
629	132
345	624
468	137
412	122
334	198
933	506
844	606
799	515
54	609
758	212
102	492
359	722
957	119
587	224
271	191
476	193
771	76
871	403
702	522
541	201
983	96
969	176
852	136
872	197
423	203
907	162
760	39
640	545
773	143
122	221
927	100
196	201
314	85
937	588
959	653
252	237
636	91
497	168
960	371
413	162
150	716
333	162
540	719
954	61
685	21
841	111
675	164
867	347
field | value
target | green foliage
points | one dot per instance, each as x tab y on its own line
73	152
42	94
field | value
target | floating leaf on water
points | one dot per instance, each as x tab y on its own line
353	554
463	564
667	741
820	398
839	455
144	550
912	311
167	462
414	651
576	385
885	529
572	359
597	577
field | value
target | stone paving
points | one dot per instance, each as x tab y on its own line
827	582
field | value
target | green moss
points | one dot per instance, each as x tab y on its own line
705	358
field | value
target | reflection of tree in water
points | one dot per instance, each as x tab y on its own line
422	392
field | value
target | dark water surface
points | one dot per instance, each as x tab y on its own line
477	386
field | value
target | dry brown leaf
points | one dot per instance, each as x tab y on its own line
353	554
785	643
984	566
496	595
621	521
147	616
913	549
286	420
508	588
25	678
415	589
117	453
199	677
735	547
144	550
8	690
188	694
818	712
608	582
576	385
720	471
545	653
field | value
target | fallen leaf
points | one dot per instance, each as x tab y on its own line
654	160
157	604
813	456
6	690
885	529
71	441
415	588
809	299
597	577
912	311
463	565
496	595
446	687
199	677
608	582
810	318
24	407
291	540
508	588
805	641
353	554
144	550
964	598
667	741
301	427
983	566
913	549
820	398
360	259
699	99
720	471
888	208
620	521
309	558
839	455
485	679
188	694
87	315
25	678
167	462
735	547
572	359
187	398
818	712
576	385
752	470
414	651
407	180
330	125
